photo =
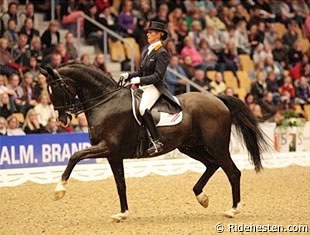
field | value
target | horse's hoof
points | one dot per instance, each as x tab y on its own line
232	212
60	191
203	199
119	216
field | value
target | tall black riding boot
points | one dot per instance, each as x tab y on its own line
151	126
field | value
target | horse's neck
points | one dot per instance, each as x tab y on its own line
110	104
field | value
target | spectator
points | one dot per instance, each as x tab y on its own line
229	91
99	62
52	126
36	49
55	59
127	20
21	51
268	107
82	124
85	59
189	49
29	13
270	35
287	90
41	86
243	45
195	33
213	39
3	126
44	109
3	86
249	101
175	84
50	38
290	36
228	60
253	38
271	65
29	30
92	33
70	14
31	123
102	4
62	50
14	82
70	47
279	53
241	14
11	33
7	65
33	68
273	87
7	108
171	47
295	54
28	90
162	14
182	34
175	17
213	20
258	88
13	127
188	67
109	20
302	91
217	86
210	58
10	14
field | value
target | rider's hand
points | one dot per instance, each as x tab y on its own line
124	76
135	80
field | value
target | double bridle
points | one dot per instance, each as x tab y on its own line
78	107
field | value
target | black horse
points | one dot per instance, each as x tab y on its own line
203	134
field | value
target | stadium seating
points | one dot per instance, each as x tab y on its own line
230	79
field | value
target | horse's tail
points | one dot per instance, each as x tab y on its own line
247	126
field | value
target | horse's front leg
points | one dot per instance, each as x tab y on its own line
119	176
96	151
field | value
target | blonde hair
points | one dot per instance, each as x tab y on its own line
10	118
28	123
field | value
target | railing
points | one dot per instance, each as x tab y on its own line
105	38
188	81
105	32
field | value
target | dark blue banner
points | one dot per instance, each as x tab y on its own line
41	149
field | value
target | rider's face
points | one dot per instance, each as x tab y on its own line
153	36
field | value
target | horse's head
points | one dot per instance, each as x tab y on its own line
62	94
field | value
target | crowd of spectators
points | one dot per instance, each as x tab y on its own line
204	36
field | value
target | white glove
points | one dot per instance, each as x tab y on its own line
124	75
135	80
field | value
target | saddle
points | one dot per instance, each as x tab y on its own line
165	113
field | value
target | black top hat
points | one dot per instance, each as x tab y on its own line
158	26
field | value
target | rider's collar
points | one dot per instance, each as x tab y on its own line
154	46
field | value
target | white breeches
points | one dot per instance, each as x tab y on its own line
149	97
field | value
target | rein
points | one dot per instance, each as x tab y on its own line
77	109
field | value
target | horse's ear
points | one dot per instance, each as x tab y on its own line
50	71
43	71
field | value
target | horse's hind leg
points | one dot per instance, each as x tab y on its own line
91	152
201	155
234	175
